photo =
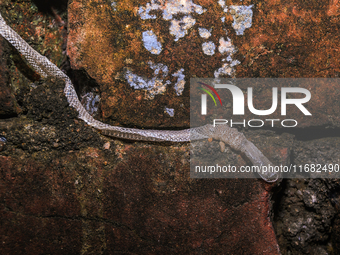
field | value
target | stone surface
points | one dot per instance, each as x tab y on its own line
307	209
143	65
64	187
117	43
292	39
305	219
90	207
126	197
55	170
7	101
44	33
61	178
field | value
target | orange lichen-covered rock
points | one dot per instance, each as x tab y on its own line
143	54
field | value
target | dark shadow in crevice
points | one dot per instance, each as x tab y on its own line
8	115
278	194
82	82
47	6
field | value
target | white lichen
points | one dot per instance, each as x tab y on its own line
179	14
226	46
169	111
151	43
223	5
179	28
204	33
208	48
113	5
154	86
242	15
226	69
169	8
179	86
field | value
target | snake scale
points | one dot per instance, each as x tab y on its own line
223	133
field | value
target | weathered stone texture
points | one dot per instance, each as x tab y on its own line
140	203
285	40
7	101
64	187
115	196
43	33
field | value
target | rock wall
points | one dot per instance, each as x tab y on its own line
65	188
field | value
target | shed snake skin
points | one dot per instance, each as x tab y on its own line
223	133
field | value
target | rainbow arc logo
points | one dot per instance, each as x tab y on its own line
204	97
209	93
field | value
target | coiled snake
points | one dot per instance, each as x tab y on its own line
223	133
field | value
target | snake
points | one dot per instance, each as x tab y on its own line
223	133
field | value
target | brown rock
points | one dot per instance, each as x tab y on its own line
135	197
131	197
284	40
8	106
43	34
142	201
143	66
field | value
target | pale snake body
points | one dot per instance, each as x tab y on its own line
231	136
